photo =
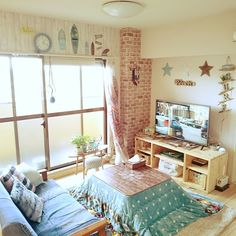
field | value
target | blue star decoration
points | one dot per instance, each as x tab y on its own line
167	70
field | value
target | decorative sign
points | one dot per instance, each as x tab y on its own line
181	82
27	30
97	42
227	86
167	69
205	69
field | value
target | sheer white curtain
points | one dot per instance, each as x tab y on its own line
112	98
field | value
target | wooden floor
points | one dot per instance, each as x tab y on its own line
227	197
71	180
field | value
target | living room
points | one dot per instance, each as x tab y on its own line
183	45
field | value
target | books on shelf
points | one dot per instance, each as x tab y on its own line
199	162
173	154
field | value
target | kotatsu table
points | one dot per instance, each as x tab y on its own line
144	200
130	182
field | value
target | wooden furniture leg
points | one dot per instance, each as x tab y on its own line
101	154
77	162
84	171
96	227
44	174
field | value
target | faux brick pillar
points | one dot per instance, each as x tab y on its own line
135	100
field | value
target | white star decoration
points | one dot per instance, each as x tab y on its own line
167	69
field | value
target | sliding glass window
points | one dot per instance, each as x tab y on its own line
44	102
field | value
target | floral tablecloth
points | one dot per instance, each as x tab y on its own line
163	209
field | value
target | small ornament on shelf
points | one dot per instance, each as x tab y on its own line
228	66
226	77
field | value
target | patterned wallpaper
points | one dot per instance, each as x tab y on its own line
18	31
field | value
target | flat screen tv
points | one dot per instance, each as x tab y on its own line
189	122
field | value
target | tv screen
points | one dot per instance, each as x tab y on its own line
189	122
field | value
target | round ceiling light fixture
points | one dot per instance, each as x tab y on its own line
122	9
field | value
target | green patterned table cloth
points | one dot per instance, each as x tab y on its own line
163	209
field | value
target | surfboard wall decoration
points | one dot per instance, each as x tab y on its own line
74	38
26	26
92	49
62	39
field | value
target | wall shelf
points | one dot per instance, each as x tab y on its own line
221	102
225	110
226	82
226	91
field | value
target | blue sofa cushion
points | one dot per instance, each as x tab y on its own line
12	220
7	178
28	202
62	214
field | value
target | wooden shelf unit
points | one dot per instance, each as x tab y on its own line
216	161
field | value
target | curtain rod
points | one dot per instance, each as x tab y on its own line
57	55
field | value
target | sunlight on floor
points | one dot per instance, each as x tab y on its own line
72	180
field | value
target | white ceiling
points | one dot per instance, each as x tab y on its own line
156	12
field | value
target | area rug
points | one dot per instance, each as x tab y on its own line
211	206
214	225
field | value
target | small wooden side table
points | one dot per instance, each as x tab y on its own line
82	155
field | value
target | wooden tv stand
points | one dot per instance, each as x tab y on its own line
196	176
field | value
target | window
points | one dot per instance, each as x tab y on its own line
44	102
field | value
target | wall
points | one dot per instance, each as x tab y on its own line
17	35
208	36
134	98
18	31
185	46
222	125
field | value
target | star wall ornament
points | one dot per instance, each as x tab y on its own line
167	69
205	69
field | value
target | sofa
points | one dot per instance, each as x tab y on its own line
61	214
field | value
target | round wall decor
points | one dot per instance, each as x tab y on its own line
42	43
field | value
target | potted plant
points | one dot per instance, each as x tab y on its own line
81	142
